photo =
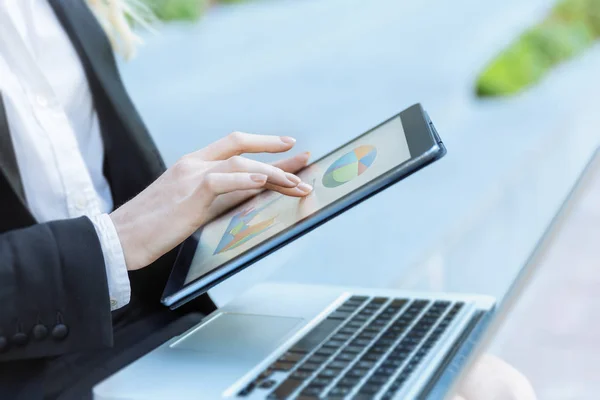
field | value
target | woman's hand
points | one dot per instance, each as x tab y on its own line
199	187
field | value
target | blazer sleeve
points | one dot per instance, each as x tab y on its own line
53	291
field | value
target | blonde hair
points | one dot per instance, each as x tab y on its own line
117	18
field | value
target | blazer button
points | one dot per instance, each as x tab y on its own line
39	332
3	344
60	331
19	338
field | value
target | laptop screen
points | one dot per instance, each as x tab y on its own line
269	213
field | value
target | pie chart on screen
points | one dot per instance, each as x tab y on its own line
349	166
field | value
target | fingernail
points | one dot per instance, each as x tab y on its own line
292	178
306	156
287	139
305	187
259	178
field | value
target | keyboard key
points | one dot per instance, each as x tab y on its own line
268	384
329	372
360	317
378	349
285	389
341	336
441	304
317	359
347	381
355	324
378	379
301	375
265	374
372	356
357	373
353	349
339	315
367	335
316	336
421	303
338	364
399	355
335	344
339	391
362	396
360	342
392	363
348	330
308	366
310	393
325	351
365	364
282	366
379	300
320	382
383	371
306	397
399	302
291	357
346	356
369	389
385	341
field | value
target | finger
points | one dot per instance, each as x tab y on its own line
303	189
217	183
230	199
307	206
237	143
275	176
293	164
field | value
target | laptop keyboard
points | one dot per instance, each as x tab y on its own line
366	348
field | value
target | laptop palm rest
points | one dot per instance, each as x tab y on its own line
247	336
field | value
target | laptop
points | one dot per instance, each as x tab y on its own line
290	341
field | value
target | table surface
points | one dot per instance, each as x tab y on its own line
556	247
325	71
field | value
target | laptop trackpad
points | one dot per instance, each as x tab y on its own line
246	335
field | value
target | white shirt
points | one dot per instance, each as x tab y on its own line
55	130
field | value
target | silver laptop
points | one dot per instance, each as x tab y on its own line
286	341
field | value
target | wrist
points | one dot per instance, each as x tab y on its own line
126	233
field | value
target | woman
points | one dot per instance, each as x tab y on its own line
89	218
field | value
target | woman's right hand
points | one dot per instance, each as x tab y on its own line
197	186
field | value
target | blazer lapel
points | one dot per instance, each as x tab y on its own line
91	43
8	160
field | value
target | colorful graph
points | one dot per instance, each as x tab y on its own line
349	166
240	230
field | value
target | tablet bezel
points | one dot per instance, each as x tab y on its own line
424	146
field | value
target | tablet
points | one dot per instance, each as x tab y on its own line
341	179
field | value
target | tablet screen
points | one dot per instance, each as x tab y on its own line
269	213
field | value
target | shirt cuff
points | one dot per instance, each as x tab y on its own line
119	288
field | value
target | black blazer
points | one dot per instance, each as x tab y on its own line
53	290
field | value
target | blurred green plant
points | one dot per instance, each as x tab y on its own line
177	10
571	27
182	10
